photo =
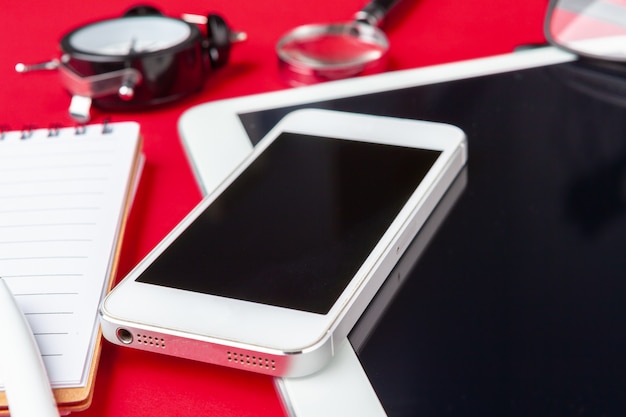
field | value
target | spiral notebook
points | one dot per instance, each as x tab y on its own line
64	196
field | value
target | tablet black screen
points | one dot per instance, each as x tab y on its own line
517	306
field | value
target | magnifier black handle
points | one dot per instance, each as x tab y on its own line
374	12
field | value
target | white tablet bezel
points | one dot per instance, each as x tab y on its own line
213	160
293	334
216	141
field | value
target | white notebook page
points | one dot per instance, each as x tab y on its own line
62	203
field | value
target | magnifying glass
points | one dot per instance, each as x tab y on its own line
588	28
316	53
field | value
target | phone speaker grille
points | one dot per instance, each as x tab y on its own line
153	341
246	360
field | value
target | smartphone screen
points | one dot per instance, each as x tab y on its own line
293	229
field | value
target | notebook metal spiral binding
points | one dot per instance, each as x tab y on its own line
27	131
54	130
3	130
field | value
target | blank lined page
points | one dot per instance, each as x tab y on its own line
63	197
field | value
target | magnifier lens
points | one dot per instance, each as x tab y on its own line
328	52
338	47
595	28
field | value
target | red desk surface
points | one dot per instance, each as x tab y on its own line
421	33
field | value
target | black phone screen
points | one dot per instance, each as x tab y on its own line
295	227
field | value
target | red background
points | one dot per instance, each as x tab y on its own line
421	33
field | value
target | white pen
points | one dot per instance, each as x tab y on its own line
22	370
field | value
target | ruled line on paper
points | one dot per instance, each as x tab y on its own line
16	226
48	195
44	209
29	242
29	156
36	258
53	167
32	154
43	294
52	313
53	180
43	276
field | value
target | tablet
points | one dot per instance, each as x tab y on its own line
515	305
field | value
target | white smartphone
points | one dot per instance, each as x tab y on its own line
270	272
